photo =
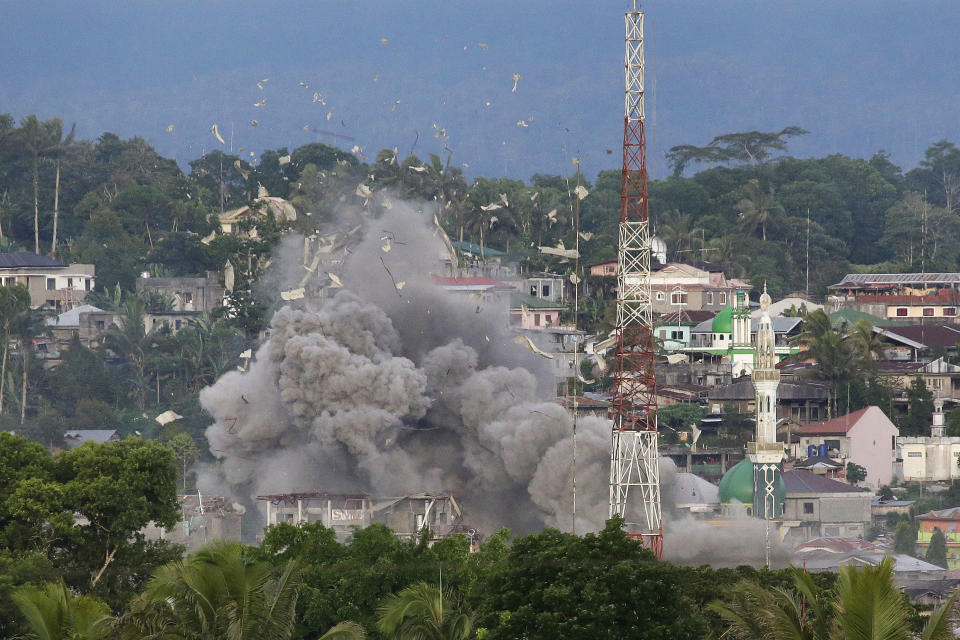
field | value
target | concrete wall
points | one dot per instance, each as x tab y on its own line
872	446
930	458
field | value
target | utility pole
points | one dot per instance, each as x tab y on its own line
633	448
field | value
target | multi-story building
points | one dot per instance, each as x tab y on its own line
677	286
50	282
337	511
948	521
933	458
817	506
914	297
866	437
187	294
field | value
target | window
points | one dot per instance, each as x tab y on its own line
70	283
723	297
611	268
949	311
915	454
536	319
100	324
533	290
663	334
187	297
709	297
928	312
808	507
935	383
661	296
86	284
678	297
832	444
178	324
676	335
51	284
902	311
545	289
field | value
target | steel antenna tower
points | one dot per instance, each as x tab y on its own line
633	448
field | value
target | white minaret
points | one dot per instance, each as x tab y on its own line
765	452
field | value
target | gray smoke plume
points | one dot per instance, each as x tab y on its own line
393	391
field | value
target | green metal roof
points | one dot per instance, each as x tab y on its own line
474	249
532	302
850	316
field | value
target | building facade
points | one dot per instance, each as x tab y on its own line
50	282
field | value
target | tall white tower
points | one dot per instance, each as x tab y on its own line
765	452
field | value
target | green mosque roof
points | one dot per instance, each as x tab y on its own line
723	321
737	484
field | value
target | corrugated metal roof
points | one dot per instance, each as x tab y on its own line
868	279
799	481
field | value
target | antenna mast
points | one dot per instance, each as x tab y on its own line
633	448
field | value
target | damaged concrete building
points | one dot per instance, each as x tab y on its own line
405	515
205	518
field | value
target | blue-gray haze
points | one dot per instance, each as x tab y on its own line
860	75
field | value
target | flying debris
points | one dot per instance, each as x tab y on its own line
304	85
292	294
516	79
586	235
561	251
484	46
503	199
522	123
528	343
169	128
364	191
552	216
283	160
575	162
254	123
581	192
400	284
395	105
493	219
335	280
491	207
208	239
306	127
260	85
383	41
534	196
168	416
420	169
216	133
261	103
376	77
574	278
329	114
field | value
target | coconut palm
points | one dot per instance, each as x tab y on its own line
40	140
868	344
53	613
345	631
864	605
14	303
424	612
220	591
678	231
27	327
758	208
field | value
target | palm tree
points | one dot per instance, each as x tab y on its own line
14	303
758	208
864	605
678	231
220	591
422	611
345	631
132	344
27	327
52	613
868	344
41	139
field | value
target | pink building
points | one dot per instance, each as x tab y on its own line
865	437
527	312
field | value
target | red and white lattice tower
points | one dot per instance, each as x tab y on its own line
634	475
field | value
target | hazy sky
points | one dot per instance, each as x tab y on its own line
861	76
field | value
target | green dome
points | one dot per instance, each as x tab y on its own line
723	321
737	484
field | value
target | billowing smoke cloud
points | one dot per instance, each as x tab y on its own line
392	391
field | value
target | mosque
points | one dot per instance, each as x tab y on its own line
757	481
